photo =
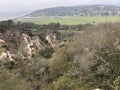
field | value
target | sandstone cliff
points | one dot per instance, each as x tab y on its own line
12	43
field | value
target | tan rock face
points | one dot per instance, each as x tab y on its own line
32	44
6	56
2	41
3	56
97	89
24	44
52	40
36	42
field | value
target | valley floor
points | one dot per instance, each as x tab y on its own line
70	20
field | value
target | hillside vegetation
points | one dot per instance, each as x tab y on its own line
85	10
74	15
73	60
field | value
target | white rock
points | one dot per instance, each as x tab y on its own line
97	89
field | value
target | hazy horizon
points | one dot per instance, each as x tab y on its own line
13	8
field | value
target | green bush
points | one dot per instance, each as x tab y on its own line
97	56
9	81
9	65
116	83
60	63
46	52
66	83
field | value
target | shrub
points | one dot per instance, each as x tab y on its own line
96	56
9	81
60	63
116	83
9	64
46	52
66	83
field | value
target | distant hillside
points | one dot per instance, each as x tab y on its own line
86	10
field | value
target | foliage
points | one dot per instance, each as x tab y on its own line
97	56
45	52
60	63
116	83
89	59
6	25
9	81
54	26
66	83
23	49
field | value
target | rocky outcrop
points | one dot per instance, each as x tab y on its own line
51	39
31	45
6	56
97	89
2	41
24	44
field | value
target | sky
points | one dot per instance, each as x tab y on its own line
17	7
13	5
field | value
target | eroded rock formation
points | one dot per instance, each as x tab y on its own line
12	43
30	45
51	40
4	53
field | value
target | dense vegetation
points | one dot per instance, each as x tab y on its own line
31	27
90	59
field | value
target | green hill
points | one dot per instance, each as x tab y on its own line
85	10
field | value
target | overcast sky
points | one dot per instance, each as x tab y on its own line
12	5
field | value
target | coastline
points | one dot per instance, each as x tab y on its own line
12	15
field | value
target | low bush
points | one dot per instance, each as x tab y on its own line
46	52
9	81
60	63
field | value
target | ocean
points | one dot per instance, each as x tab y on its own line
5	15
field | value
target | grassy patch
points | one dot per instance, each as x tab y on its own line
71	20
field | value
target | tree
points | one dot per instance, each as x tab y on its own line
54	26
